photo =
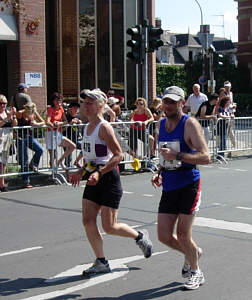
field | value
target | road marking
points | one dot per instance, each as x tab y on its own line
219	204
241	170
118	266
221	224
242	207
20	251
125	192
148	195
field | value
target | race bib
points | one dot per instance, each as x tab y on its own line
169	164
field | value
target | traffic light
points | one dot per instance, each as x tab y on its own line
154	38
218	60
135	43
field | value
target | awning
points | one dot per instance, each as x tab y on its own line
8	28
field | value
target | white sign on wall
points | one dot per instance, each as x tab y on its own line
33	79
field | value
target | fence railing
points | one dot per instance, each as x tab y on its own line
23	150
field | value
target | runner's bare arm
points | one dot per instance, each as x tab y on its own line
194	138
107	134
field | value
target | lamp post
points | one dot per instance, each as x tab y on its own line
200	11
202	50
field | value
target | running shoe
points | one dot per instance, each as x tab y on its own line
145	244
186	270
194	281
97	268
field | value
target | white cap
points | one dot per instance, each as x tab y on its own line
95	94
112	101
227	84
174	92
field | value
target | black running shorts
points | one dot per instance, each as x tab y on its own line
107	192
185	200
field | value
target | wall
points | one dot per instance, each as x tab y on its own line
31	52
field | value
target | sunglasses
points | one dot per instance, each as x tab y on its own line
3	103
140	103
169	101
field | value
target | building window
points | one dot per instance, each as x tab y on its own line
190	55
117	44
102	40
87	43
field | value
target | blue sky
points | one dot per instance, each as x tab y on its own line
181	16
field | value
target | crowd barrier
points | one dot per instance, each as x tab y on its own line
224	136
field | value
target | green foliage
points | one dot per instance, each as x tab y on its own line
168	75
186	76
244	105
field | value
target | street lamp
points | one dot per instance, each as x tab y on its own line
202	51
200	12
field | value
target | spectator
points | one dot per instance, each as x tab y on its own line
25	140
206	112
194	100
232	110
7	120
156	109
158	113
21	97
142	116
56	118
73	132
111	93
222	124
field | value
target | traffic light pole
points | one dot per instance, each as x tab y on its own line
211	72
145	54
145	61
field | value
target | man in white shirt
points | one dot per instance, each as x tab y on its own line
195	100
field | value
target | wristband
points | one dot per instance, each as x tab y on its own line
179	156
99	172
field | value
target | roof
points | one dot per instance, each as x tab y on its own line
223	45
186	40
178	59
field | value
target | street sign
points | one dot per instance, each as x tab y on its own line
33	79
203	80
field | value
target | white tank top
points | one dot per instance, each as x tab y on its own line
93	148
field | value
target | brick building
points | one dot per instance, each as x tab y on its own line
244	53
77	44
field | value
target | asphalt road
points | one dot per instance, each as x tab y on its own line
44	249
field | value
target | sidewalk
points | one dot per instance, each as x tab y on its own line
40	179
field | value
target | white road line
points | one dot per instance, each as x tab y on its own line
224	225
148	195
125	192
219	204
241	170
242	207
118	266
221	224
20	251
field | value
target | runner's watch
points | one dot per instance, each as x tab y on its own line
179	156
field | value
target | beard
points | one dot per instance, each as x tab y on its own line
172	116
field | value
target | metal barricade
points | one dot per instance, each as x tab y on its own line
26	151
20	147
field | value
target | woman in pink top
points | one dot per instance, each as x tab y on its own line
56	118
142	116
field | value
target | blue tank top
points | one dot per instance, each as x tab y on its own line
172	180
